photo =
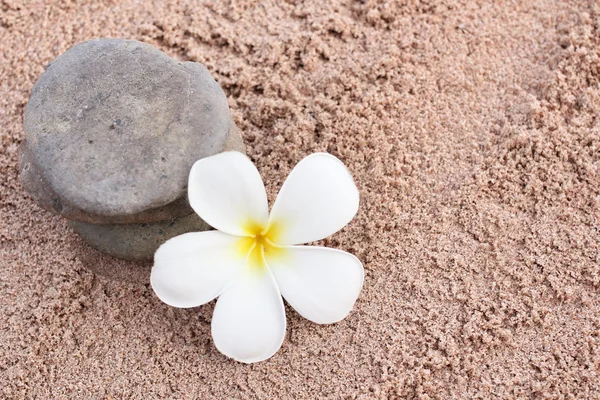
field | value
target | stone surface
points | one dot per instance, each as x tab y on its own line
112	129
136	241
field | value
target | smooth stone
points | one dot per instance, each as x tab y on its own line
112	129
136	241
33	181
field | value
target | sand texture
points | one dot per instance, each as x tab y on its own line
472	129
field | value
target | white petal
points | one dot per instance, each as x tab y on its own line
318	199
194	268
321	284
227	192
248	323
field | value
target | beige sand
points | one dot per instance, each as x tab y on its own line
472	130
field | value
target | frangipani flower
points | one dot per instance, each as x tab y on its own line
254	258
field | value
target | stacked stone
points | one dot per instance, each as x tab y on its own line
112	129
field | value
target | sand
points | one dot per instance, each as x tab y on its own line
472	130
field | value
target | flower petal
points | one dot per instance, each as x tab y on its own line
321	284
194	268
318	199
227	192
248	323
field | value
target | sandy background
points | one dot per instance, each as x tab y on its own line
472	130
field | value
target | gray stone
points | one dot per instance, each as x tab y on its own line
112	129
136	241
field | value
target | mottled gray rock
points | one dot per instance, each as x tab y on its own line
136	241
112	129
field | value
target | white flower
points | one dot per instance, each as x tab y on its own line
252	259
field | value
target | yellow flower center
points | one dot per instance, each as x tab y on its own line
259	246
